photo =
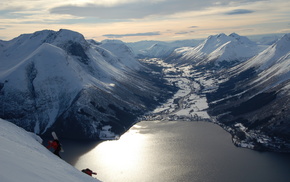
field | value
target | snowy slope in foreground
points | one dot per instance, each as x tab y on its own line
24	159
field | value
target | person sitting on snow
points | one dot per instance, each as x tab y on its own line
89	172
55	145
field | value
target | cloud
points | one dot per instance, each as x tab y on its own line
239	11
193	27
138	9
133	9
11	12
131	35
185	32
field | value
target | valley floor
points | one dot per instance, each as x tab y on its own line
189	103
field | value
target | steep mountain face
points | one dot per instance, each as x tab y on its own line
256	97
216	51
122	52
59	81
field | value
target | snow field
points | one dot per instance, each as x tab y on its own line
23	158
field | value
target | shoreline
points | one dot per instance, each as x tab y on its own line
190	104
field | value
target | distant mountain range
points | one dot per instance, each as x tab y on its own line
158	49
257	94
56	80
161	49
252	98
217	51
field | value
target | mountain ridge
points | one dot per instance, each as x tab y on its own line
256	95
50	81
64	83
216	51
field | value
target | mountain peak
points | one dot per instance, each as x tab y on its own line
221	35
213	42
70	34
242	39
235	35
50	36
282	45
220	48
218	36
124	54
287	35
63	36
283	40
67	84
269	57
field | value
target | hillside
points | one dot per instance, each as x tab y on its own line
254	101
216	51
56	80
24	159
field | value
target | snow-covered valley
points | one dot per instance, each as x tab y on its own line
189	102
246	86
97	90
83	89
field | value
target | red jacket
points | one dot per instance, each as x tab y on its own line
53	144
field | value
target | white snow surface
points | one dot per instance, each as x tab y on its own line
187	102
157	50
23	158
221	48
273	63
39	61
124	54
269	57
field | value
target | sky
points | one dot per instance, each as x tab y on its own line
135	20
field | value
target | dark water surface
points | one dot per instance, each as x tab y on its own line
160	151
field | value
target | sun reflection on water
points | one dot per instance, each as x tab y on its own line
117	156
179	151
123	153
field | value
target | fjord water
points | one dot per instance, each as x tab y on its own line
177	151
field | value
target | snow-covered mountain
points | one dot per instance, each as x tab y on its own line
217	51
23	158
256	96
122	52
59	81
158	49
